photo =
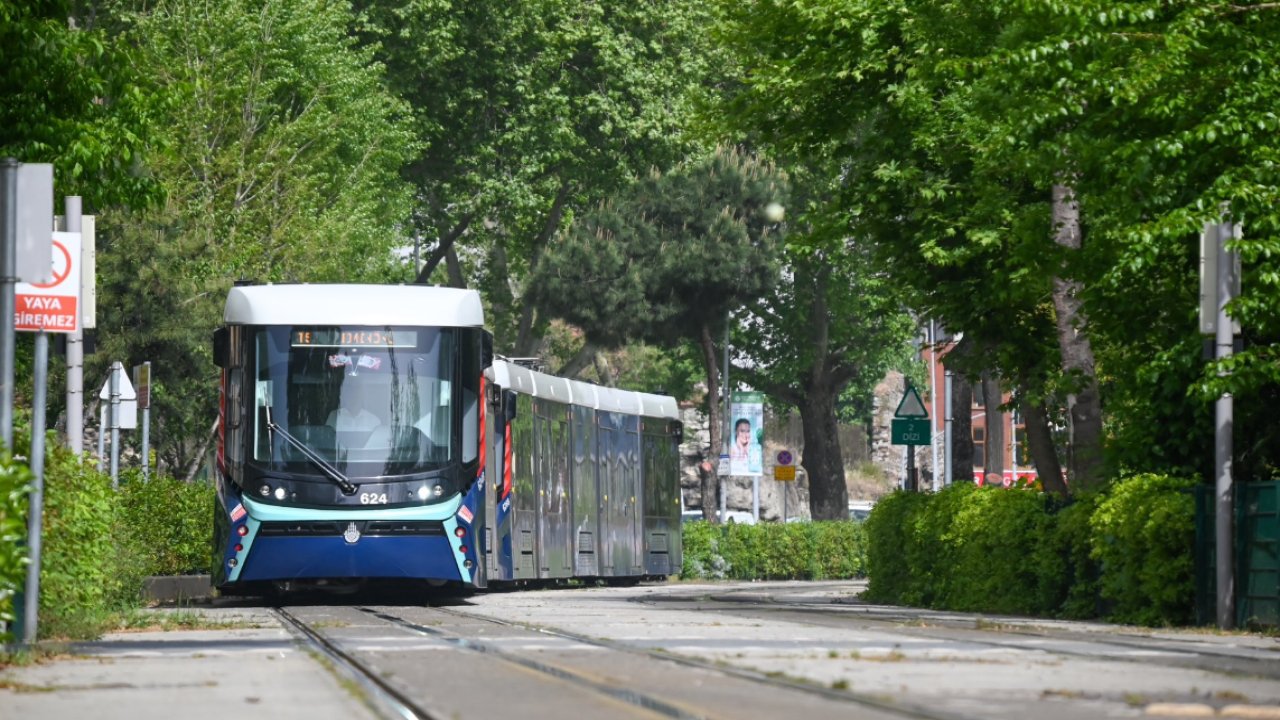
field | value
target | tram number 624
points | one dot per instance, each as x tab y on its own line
373	498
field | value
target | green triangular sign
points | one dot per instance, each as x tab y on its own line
911	405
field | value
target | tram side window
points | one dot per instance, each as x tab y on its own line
471	370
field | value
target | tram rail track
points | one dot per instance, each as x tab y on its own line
1199	656
384	698
895	708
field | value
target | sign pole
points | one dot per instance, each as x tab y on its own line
75	349
142	385
1224	341
115	424
35	514
8	265
102	436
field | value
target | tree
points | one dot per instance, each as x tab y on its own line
279	151
71	97
976	134
528	113
667	260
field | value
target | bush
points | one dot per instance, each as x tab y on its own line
83	574
773	551
702	558
890	535
15	483
1143	535
991	546
1068	573
168	521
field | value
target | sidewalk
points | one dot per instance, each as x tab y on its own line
251	669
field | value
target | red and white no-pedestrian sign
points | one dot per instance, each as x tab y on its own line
53	306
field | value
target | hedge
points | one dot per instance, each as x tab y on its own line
1125	554
98	542
774	551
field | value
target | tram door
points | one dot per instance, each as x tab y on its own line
618	446
634	508
524	500
551	471
585	493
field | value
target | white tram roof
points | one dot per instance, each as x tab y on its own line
337	304
529	382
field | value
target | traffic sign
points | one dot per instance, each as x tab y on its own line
128	399
784	473
784	457
723	468
52	306
911	405
910	431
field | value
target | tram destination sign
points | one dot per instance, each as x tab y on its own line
910	431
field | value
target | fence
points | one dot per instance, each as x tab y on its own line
1256	553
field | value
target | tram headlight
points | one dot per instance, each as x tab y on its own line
281	493
264	490
423	493
438	490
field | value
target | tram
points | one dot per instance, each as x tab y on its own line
368	432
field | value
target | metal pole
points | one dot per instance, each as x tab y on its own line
75	348
1013	440
946	432
35	514
933	393
114	390
1222	438
8	274
102	437
724	479
146	442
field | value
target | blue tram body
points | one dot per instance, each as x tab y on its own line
367	432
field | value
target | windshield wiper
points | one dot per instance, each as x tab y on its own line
330	471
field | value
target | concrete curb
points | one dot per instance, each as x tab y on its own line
177	588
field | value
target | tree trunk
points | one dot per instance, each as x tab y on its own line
1084	461
579	362
1043	453
710	482
438	252
961	429
993	458
822	459
454	267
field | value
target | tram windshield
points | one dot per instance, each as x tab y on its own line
370	401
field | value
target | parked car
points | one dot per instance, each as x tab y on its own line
860	510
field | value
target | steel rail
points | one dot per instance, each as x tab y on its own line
631	697
1180	655
906	710
381	696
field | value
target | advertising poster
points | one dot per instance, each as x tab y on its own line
746	434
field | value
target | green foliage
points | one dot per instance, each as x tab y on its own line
1018	551
994	534
71	97
15	479
168	521
774	551
279	151
1068	573
84	574
703	559
1143	533
669	256
890	537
